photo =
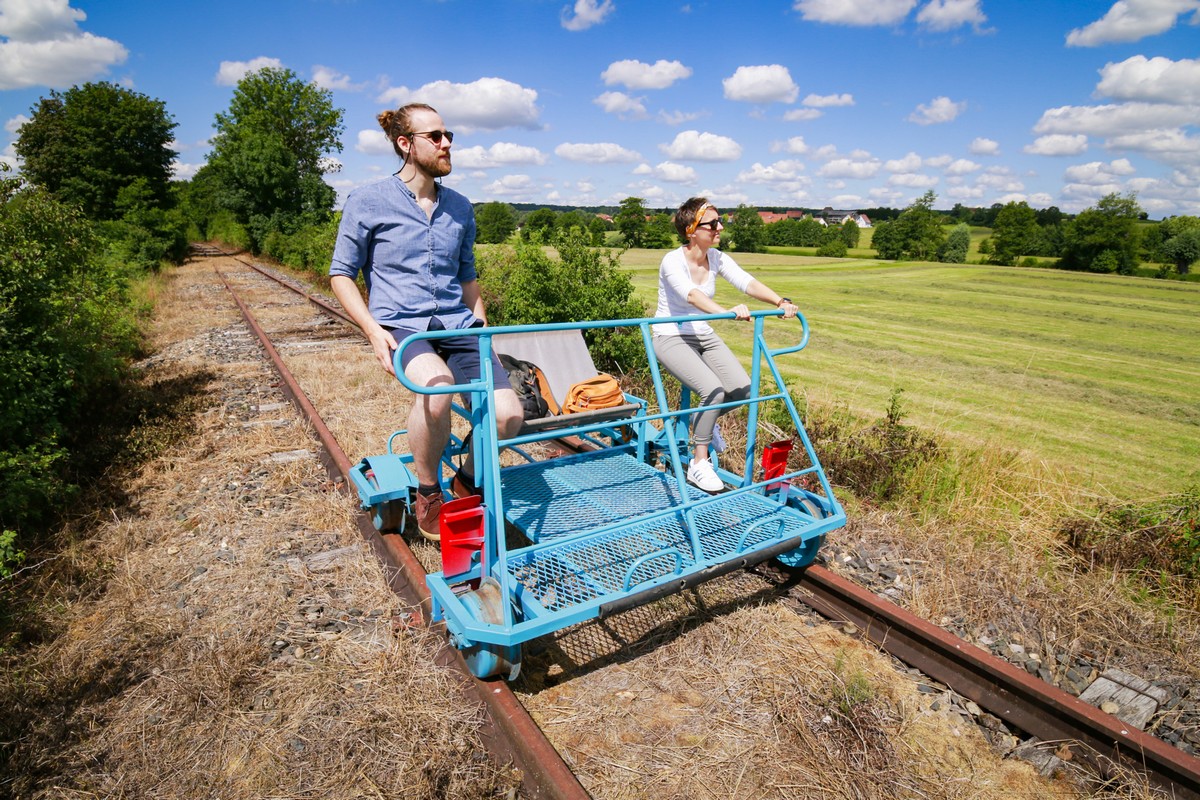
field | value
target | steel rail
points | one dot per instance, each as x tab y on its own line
509	732
1010	693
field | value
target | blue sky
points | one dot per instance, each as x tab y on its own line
810	103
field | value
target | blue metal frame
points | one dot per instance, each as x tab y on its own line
608	528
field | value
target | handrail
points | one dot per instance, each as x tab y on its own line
489	332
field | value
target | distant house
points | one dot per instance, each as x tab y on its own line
606	217
829	216
770	216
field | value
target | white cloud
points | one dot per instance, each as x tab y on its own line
960	193
909	163
374	143
939	110
1058	144
939	162
962	166
499	154
1114	119
984	147
329	78
913	180
678	117
13	124
486	104
586	14
184	172
643	169
596	153
828	100
852	12
1154	80
44	46
1169	144
794	144
769	83
850	168
622	105
803	114
780	171
1097	173
230	72
945	15
1000	180
1131	20
697	146
511	186
639	75
675	173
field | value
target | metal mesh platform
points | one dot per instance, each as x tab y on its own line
558	503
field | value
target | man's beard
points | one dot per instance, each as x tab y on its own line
433	166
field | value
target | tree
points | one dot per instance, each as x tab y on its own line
886	241
747	230
954	251
541	221
917	233
1103	238
597	229
850	233
86	144
660	232
630	220
1179	242
494	222
269	152
66	329
524	284
1014	233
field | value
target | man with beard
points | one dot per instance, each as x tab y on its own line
413	241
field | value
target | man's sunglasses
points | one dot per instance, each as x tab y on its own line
435	136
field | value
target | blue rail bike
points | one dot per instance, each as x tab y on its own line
615	525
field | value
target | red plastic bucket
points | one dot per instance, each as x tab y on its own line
461	523
774	461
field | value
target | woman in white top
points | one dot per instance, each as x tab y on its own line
691	351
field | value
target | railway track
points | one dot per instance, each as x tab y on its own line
1022	701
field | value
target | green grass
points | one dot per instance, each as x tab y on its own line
1096	376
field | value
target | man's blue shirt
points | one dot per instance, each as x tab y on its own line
414	266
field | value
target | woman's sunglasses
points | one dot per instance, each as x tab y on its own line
712	224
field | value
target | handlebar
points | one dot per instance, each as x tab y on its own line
488	332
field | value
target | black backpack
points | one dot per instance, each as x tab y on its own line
531	386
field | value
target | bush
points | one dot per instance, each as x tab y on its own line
1149	539
66	332
523	285
834	248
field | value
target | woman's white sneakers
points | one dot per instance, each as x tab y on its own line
702	475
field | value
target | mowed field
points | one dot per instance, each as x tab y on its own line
1096	377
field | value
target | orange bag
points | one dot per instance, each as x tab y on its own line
602	391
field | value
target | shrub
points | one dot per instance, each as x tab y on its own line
523	285
1149	539
66	332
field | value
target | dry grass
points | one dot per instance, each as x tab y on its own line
232	636
756	703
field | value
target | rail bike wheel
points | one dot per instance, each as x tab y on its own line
806	553
486	660
388	516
